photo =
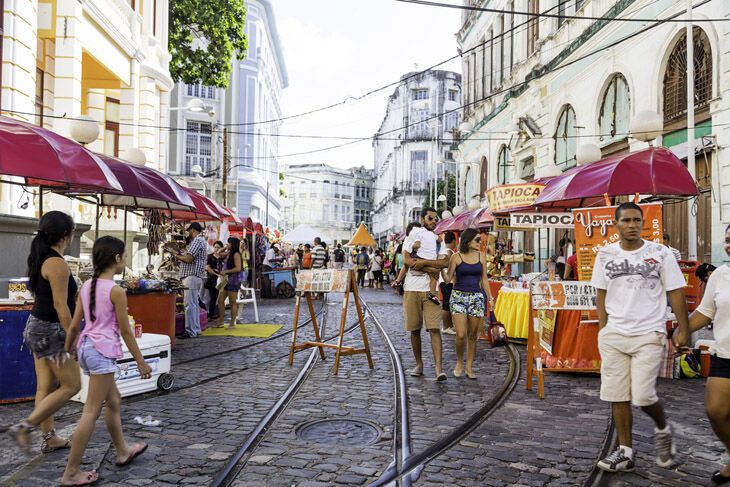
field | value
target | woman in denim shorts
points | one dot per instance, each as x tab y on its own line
468	271
54	290
233	268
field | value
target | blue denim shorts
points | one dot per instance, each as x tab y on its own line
94	363
45	339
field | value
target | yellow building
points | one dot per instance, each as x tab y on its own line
104	58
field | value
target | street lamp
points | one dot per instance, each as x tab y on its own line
196	105
84	129
135	156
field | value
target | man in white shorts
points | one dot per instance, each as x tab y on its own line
633	279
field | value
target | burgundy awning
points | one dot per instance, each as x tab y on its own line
654	171
142	188
44	158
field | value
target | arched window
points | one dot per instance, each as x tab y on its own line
675	77
503	165
565	139
484	176
613	119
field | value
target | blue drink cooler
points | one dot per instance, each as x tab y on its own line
17	371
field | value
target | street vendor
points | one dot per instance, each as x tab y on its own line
273	258
192	273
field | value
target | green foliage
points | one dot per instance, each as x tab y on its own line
441	188
282	193
204	37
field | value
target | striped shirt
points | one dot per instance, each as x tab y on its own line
318	257
199	250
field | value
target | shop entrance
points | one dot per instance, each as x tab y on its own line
675	214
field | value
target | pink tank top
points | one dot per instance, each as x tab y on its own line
104	332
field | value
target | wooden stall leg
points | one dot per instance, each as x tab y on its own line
361	318
343	320
294	330
315	325
530	353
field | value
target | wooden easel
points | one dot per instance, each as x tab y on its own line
341	350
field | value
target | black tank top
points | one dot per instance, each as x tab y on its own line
43	307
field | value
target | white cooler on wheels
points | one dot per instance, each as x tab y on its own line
156	351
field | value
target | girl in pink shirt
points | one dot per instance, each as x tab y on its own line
103	305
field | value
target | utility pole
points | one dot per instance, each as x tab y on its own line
691	217
225	166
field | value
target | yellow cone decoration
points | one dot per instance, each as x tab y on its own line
362	238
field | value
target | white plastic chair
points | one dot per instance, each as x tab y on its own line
242	299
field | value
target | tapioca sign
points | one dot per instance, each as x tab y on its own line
508	196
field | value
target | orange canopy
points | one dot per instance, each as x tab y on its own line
362	237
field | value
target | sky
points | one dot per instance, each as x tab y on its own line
334	49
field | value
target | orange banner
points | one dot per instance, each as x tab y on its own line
595	228
508	196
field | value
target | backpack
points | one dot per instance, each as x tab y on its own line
339	255
362	260
307	261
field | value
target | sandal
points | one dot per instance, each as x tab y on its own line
719	479
136	450
441	377
91	478
20	433
48	448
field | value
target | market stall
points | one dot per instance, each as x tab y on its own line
591	189
42	159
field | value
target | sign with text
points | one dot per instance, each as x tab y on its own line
508	196
503	224
323	280
595	228
541	220
575	295
546	319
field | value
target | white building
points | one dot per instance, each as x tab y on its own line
324	198
412	147
523	78
249	109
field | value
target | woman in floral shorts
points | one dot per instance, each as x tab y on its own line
468	271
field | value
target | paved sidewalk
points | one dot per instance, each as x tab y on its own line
219	398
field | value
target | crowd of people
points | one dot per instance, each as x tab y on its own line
635	280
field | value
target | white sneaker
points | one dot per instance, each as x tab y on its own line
665	447
617	461
449	331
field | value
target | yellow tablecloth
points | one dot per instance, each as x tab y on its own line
512	309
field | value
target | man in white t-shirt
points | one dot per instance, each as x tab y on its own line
418	309
633	279
715	308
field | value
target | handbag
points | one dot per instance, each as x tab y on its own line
496	332
222	282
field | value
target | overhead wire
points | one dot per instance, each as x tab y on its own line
549	15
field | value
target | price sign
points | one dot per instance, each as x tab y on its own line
595	228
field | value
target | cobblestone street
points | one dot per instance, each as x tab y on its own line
226	385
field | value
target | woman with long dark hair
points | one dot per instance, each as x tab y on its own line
468	271
233	270
54	290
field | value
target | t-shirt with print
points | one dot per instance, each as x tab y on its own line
716	306
636	283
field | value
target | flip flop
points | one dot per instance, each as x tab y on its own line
91	478
719	479
137	450
471	375
441	377
415	372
